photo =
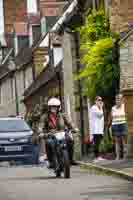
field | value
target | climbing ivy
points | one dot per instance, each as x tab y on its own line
99	56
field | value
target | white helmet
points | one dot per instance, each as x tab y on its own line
54	102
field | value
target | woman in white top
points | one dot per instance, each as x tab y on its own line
119	126
97	124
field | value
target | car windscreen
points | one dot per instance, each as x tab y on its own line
13	126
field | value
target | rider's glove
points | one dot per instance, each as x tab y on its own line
76	130
41	135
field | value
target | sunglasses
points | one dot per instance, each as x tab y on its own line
99	100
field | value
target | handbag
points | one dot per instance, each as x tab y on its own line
87	139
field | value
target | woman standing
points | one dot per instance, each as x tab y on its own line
119	126
97	125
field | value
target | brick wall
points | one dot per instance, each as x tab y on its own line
51	7
126	49
126	62
11	13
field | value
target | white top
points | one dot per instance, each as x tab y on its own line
118	115
96	120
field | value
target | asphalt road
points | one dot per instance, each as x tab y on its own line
31	183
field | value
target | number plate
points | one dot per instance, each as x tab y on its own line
13	148
60	135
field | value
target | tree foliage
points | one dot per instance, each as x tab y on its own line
100	74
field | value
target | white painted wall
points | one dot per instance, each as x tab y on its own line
31	36
58	55
16	44
45	41
28	77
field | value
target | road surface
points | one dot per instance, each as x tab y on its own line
32	183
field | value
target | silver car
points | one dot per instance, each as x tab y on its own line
15	139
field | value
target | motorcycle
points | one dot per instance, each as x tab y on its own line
57	152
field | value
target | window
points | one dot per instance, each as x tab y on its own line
50	21
36	31
43	26
97	3
32	6
23	41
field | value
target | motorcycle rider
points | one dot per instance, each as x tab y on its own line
56	121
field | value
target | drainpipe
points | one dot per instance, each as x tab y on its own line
77	46
60	87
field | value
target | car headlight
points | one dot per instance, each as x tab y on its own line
24	140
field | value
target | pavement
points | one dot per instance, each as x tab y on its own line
31	183
121	168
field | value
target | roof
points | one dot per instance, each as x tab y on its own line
23	58
69	11
68	8
4	70
46	75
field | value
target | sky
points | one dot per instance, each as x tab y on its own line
1	18
32	6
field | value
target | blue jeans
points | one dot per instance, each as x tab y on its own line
35	154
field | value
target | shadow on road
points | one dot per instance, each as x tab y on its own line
29	178
107	192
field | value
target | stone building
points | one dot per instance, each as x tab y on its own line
14	82
122	22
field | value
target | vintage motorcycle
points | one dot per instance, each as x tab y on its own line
57	152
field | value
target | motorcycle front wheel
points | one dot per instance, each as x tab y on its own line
66	164
56	167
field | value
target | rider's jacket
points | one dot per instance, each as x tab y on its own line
56	123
